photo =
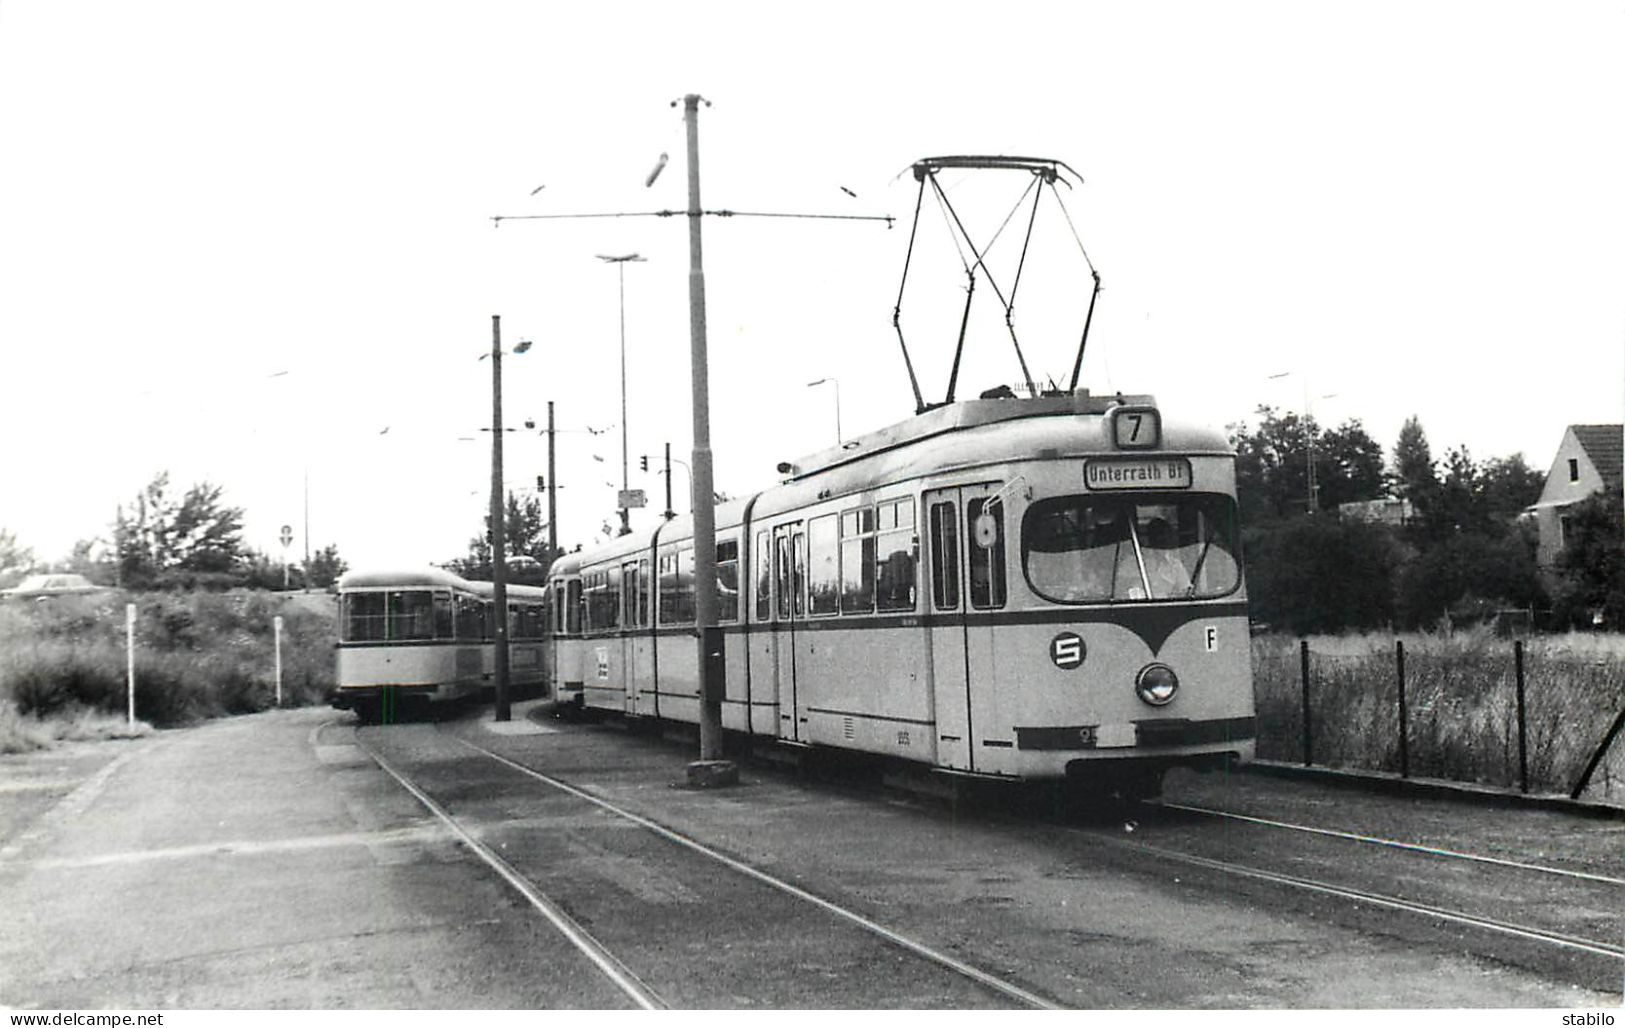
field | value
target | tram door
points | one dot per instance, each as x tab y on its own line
635	658
966	579
789	585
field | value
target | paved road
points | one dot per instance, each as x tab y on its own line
265	861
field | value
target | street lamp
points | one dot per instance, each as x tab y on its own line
837	384
620	267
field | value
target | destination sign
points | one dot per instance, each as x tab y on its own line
1146	473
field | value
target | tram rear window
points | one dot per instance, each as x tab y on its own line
1099	549
399	615
363	618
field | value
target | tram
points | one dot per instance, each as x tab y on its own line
419	637
1033	588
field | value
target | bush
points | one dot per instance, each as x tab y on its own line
198	655
1320	574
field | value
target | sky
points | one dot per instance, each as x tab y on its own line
252	244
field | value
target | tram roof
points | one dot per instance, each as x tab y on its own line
428	578
970	434
966	434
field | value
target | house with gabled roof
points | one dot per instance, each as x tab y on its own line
1591	458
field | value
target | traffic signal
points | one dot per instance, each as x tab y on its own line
643	462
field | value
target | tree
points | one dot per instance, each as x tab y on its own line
525	535
15	560
1591	568
1272	465
326	567
1348	465
206	535
1415	477
1509	485
199	536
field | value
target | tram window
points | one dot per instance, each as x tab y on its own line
798	571
488	623
986	563
785	588
677	588
1096	549
575	608
411	614
465	612
666	587
764	578
944	557
612	598
823	566
632	598
897	551
442	616
858	561
685	586
643	593
728	580
363	617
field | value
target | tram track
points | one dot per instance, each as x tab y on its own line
613	964
1526	932
1375	840
1556	893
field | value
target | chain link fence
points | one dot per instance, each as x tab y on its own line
1542	716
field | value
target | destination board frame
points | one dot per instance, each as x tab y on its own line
1116	474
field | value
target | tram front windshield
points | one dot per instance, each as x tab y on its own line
1110	549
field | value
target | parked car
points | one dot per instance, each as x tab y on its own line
40	587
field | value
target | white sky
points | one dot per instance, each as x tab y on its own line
1418	207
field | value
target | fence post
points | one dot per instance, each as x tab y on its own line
1404	712
276	628
1523	732
1308	749
129	657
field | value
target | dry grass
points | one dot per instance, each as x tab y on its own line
1461	696
23	733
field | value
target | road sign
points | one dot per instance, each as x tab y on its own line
286	536
630	498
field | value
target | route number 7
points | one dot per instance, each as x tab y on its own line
1136	428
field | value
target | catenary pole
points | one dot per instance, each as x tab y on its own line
711	769
552	492
499	570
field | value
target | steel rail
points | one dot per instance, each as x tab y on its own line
1375	840
975	974
618	974
1375	899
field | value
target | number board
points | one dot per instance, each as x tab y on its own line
1136	427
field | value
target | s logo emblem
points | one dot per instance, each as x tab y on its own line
1067	650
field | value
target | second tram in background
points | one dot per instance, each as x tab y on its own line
417	638
1042	588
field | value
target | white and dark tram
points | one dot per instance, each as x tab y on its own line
1018	588
415	637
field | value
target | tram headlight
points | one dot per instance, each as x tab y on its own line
1156	684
